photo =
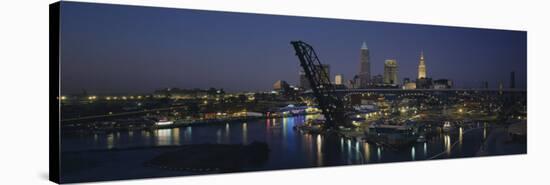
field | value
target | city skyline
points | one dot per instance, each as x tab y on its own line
176	48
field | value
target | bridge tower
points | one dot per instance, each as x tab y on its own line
331	105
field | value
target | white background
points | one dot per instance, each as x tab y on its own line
24	91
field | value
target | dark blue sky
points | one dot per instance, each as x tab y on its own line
117	49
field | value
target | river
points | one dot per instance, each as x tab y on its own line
93	157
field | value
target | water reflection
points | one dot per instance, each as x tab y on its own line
425	150
245	133
366	152
219	136
379	152
447	143
176	136
285	120
308	147
341	144
187	136
110	141
227	132
288	146
167	137
413	153
319	151
460	137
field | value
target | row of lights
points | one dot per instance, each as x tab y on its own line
108	97
123	97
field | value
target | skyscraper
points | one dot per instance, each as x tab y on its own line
421	67
364	69
390	72
339	79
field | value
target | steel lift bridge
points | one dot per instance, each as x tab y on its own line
330	104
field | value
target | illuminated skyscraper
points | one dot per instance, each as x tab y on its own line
339	79
390	72
422	67
364	69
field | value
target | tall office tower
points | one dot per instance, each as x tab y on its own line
364	69
512	80
421	67
339	79
390	72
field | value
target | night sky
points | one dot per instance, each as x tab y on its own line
129	49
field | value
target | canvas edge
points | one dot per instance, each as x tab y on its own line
54	137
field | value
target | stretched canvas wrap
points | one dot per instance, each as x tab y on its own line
140	92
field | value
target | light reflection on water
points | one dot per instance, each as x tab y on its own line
110	141
288	146
425	150
219	136
379	152
188	135
319	151
460	137
366	151
447	143
245	133
166	137
227	132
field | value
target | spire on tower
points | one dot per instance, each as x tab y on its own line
364	46
421	66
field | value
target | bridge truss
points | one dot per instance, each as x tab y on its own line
331	105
